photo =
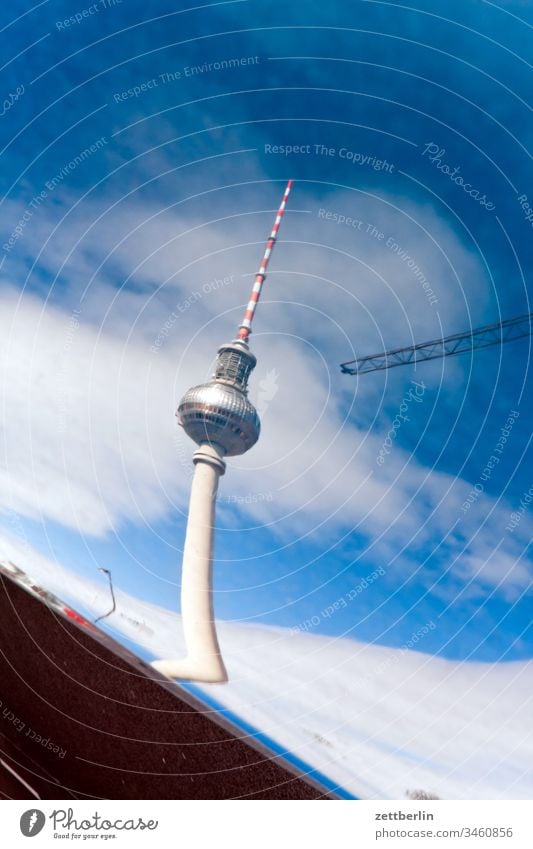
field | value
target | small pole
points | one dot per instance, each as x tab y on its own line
105	615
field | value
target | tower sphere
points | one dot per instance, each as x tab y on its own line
218	412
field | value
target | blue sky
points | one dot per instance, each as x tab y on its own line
167	214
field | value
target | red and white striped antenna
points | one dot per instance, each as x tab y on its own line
246	327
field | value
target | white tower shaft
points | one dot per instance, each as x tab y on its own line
204	660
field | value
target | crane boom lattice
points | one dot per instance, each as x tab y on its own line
458	343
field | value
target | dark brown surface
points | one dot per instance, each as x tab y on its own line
125	731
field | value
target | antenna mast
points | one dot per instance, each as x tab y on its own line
246	327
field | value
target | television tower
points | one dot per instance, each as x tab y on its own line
218	416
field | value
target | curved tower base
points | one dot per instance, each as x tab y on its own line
203	661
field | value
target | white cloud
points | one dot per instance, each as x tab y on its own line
85	421
89	431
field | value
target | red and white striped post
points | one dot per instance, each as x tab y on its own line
246	327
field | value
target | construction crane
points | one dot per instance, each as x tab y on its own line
458	343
